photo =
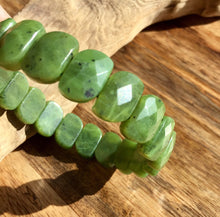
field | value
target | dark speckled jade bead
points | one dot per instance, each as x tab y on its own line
119	97
86	75
17	41
5	25
145	120
48	58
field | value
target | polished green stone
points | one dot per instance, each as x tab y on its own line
145	120
106	149
153	148
165	155
5	25
136	164
68	130
31	106
17	41
150	170
88	140
47	59
5	78
86	75
14	92
49	119
119	97
124	155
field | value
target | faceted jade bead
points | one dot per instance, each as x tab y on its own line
145	119
152	149
165	155
106	149
68	131
5	78
49	119
88	140
5	25
31	106
119	97
86	75
16	42
124	154
48	58
14	92
136	163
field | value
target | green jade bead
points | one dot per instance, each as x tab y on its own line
5	25
31	106
106	149
124	154
88	140
49	119
150	170
119	97
136	163
86	75
17	41
153	148
47	59
5	78
165	155
68	131
14	92
145	120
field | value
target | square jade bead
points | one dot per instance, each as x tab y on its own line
5	78
88	140
106	149
68	131
14	92
31	106
49	119
145	119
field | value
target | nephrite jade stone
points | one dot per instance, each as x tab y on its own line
49	119
5	78
48	58
119	97
68	131
136	164
31	106
5	25
124	154
106	149
165	155
88	140
17	41
153	148
150	170
14	92
86	75
145	120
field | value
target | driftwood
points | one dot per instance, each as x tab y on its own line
105	25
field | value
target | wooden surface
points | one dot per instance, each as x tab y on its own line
178	61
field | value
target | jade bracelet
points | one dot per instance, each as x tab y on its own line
51	57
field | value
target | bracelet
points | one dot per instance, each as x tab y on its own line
50	57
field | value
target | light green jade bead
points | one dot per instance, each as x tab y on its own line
152	149
5	78
47	59
31	106
145	120
119	97
86	75
49	119
14	92
5	25
17	41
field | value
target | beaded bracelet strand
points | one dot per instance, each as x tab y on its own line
83	76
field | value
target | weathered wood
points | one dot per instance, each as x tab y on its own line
178	61
102	25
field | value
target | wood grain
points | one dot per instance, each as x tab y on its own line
178	61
